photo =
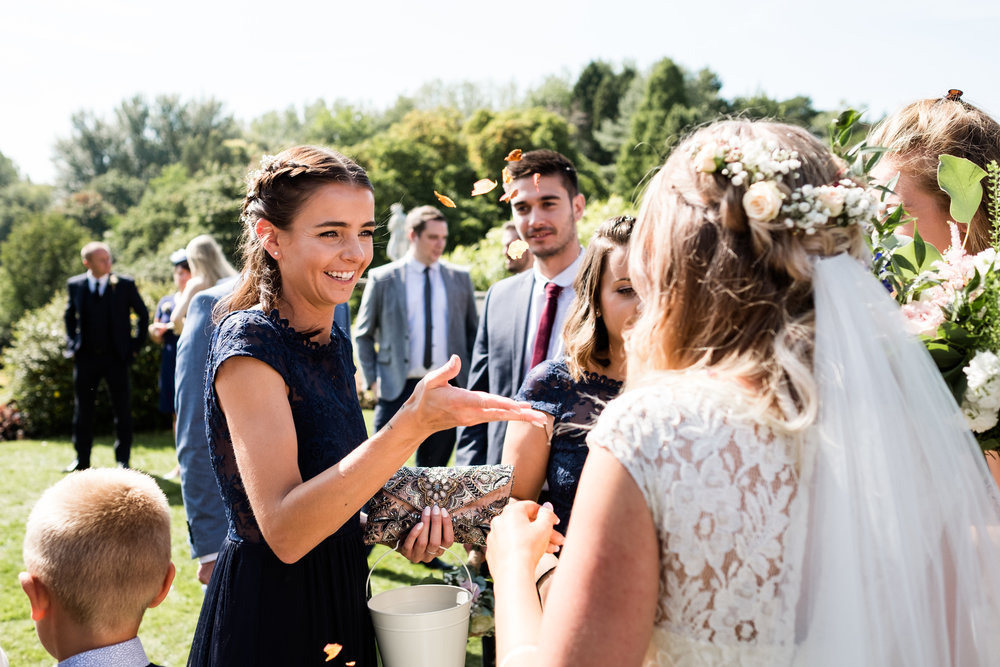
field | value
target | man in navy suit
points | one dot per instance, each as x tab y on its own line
415	313
546	207
102	341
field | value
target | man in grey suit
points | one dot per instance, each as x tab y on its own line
206	514
415	313
522	318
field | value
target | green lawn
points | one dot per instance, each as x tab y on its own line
28	467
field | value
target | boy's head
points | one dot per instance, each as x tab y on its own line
97	554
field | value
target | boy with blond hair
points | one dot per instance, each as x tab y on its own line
97	554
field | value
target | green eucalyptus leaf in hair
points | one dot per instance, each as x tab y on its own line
961	179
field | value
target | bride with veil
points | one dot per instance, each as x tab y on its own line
786	479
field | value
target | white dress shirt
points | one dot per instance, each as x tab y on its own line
564	280
126	654
99	283
415	316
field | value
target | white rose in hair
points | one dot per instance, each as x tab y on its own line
762	201
704	161
832	199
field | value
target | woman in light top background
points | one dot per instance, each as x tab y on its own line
208	266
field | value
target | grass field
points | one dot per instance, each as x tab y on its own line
28	467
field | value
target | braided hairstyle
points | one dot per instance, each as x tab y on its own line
276	192
724	291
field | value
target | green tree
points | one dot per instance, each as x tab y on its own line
176	207
661	118
796	110
142	137
20	200
426	152
492	135
8	171
596	98
40	253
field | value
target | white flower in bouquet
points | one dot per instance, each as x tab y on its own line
981	401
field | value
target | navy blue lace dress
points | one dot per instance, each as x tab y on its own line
575	407
258	610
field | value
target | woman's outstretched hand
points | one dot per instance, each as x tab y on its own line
520	535
429	537
437	405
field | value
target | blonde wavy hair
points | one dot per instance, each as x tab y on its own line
722	292
920	132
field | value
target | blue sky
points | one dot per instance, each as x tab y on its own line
59	56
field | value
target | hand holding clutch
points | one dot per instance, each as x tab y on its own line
473	495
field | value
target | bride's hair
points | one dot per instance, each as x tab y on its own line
276	192
724	292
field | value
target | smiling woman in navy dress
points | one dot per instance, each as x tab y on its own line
287	437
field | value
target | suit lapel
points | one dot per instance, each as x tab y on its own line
398	296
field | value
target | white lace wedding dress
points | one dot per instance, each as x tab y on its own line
723	491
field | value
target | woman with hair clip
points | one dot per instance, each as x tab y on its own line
287	437
914	138
785	461
573	390
208	266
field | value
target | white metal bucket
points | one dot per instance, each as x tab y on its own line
426	625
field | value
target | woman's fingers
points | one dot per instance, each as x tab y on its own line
447	529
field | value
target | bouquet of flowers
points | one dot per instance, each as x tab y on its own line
952	300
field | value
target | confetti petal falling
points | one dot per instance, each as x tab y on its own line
507	196
517	248
332	651
514	155
482	186
444	199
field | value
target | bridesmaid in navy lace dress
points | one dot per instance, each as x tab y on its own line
286	432
573	390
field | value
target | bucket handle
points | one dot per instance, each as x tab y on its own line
395	549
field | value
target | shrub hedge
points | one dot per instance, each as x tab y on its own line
41	377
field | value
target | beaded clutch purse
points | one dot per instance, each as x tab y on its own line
473	495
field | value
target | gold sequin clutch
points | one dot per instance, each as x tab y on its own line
473	495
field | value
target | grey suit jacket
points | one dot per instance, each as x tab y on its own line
382	336
497	363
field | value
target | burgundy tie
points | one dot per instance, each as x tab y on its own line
544	333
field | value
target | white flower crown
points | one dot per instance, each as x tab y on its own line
764	165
